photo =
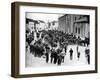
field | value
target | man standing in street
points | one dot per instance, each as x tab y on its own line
87	53
71	53
47	54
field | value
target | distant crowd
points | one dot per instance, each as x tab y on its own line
52	45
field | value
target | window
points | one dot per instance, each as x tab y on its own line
78	30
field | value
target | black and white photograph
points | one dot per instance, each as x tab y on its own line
52	39
57	39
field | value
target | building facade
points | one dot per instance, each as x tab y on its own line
53	25
75	24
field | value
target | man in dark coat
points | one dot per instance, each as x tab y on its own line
47	54
52	55
87	53
71	53
59	56
55	57
78	55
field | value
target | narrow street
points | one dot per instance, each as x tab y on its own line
41	62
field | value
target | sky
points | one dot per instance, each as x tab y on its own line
47	17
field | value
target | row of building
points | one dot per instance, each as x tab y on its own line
78	25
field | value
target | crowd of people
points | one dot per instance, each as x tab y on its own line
52	45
